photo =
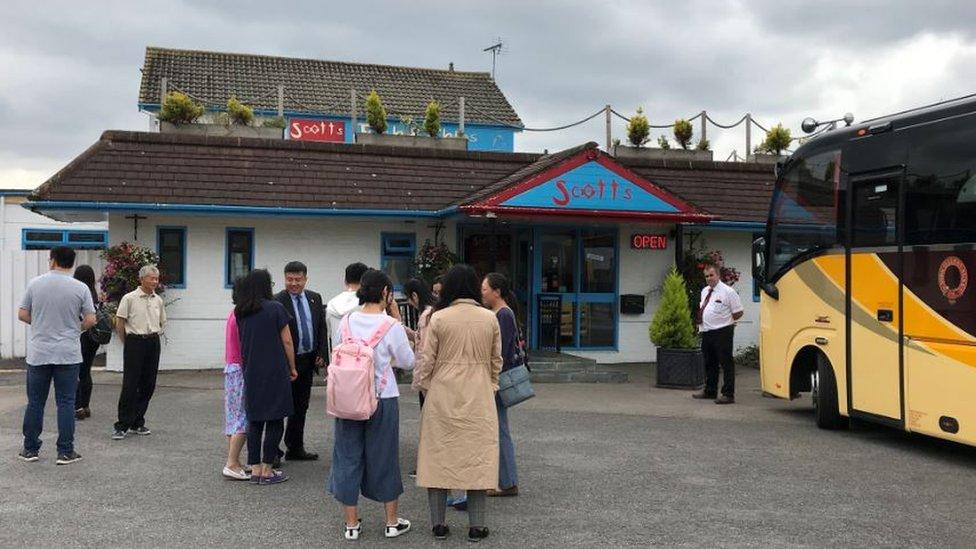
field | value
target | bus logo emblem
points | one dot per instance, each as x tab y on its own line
955	292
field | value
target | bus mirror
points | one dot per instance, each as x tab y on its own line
759	259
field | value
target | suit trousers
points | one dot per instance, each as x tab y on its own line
301	393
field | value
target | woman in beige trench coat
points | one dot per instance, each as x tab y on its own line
459	423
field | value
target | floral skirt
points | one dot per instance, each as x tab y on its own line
235	419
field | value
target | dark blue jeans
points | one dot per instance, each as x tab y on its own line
39	378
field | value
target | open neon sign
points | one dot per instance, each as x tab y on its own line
644	241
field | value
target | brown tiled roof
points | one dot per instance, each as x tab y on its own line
733	191
321	87
179	169
137	167
544	162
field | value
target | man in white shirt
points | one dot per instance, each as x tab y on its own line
718	310
346	302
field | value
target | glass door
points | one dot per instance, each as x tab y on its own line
580	266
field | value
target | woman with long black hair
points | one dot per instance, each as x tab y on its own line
268	360
497	295
459	423
89	347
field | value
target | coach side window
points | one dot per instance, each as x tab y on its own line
940	201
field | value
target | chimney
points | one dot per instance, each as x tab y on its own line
450	66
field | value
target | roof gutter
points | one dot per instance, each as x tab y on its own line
216	209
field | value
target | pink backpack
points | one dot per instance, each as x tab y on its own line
350	392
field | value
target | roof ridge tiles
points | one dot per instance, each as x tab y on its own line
313	60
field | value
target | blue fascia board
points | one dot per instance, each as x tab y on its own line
745	226
154	107
236	210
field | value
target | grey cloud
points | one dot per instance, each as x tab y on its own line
563	60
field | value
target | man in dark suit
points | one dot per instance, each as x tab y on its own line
308	334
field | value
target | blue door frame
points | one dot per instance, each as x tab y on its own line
576	297
535	283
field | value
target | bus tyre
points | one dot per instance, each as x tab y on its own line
824	393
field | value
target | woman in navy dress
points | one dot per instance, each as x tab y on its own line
269	369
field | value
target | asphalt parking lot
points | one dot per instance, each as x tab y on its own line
600	465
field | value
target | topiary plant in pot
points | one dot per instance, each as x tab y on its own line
679	358
432	119
683	133
375	113
178	108
638	128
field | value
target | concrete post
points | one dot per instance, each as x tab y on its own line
609	133
748	134
352	114
460	116
704	125
281	101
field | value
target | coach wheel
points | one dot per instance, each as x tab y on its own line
823	389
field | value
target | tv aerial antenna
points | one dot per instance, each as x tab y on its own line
495	50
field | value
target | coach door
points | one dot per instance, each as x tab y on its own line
874	308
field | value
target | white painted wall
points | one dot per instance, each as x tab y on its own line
18	267
195	333
643	272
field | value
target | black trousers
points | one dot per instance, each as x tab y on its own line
263	451
88	349
140	364
301	392
717	351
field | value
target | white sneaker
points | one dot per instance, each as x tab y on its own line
402	526
352	532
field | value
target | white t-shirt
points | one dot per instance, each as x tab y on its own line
394	347
722	305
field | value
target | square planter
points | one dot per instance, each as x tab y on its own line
622	151
222	130
765	158
680	368
413	141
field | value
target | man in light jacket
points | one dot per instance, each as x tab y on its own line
346	302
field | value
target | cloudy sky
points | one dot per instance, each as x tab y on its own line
69	70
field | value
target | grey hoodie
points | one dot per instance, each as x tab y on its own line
338	307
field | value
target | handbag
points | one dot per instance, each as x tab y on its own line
514	386
101	332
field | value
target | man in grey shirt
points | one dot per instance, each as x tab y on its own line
58	309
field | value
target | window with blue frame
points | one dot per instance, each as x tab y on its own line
239	254
45	239
397	257
171	247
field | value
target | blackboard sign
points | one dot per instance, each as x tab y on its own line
550	315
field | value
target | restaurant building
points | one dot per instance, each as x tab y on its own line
585	237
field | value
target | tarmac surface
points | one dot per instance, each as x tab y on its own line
599	466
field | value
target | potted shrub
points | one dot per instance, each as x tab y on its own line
638	131
410	136
771	149
683	133
179	114
638	128
679	357
432	119
178	108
